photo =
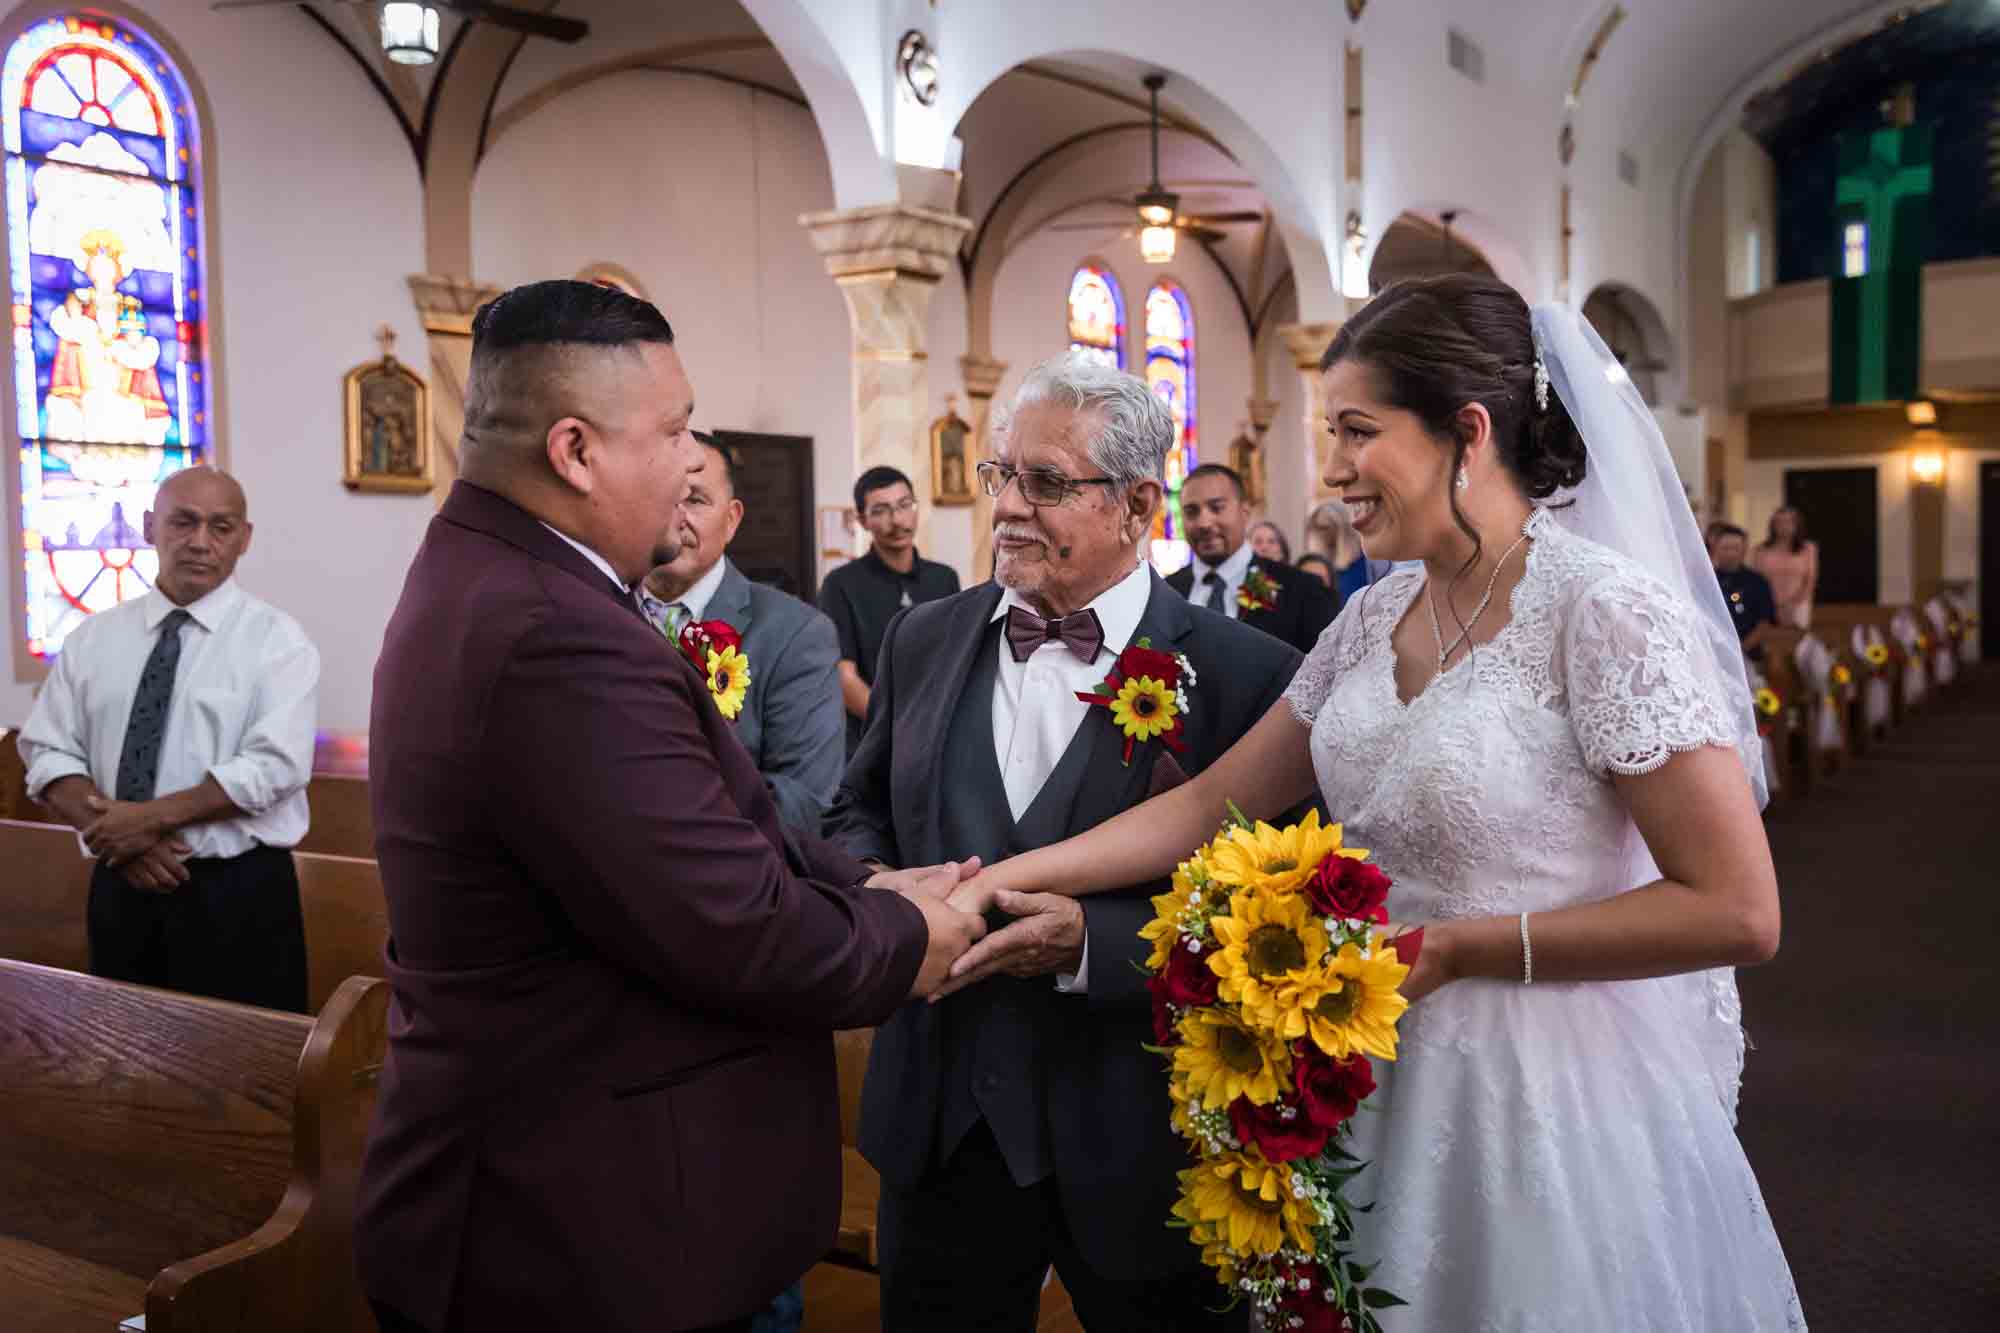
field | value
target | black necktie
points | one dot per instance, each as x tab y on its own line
1216	588
139	761
1079	631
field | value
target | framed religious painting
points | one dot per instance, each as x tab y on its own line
951	457
388	426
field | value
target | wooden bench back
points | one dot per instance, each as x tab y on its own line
342	823
14	802
850	1052
139	1127
45	886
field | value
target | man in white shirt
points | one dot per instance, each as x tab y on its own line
1020	1122
175	733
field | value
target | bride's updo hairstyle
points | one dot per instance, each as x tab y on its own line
1438	344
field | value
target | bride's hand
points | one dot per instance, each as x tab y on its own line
938	881
1422	952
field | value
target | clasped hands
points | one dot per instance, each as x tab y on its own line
1044	936
131	837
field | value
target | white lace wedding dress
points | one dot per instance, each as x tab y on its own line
1555	1156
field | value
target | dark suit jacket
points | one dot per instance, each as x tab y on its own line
1305	605
609	1100
1115	1155
792	721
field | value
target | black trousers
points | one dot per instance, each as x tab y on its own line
232	932
391	1320
968	1250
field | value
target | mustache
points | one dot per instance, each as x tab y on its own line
1016	532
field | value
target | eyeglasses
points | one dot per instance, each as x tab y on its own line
906	505
1040	487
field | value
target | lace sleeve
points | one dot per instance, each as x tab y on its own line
1338	648
1639	680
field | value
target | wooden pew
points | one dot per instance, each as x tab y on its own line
855	1244
188	1158
1835	622
342	823
14	802
47	884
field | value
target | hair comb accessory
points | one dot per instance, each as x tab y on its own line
1541	381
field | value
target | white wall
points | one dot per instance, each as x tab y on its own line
317	231
702	207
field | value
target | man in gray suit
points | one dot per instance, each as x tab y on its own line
792	723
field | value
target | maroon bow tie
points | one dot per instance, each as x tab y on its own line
1078	631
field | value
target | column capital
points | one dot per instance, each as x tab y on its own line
1307	342
1263	411
446	303
886	240
982	375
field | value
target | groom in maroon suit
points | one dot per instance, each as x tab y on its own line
609	1100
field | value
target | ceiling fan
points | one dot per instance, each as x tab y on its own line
1158	208
554	27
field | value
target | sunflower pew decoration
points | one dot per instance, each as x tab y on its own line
716	650
1146	695
1769	705
1877	656
1272	991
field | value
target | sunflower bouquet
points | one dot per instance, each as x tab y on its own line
1272	990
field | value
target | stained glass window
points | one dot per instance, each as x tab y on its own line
1170	372
104	252
1097	316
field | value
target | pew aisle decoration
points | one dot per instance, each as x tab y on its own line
716	650
1272	991
1769	705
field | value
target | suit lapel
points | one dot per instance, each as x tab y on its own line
1109	784
731	602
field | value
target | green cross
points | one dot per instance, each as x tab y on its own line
1878	185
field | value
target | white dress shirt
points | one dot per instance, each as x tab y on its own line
1035	708
694	601
594	558
1233	570
243	712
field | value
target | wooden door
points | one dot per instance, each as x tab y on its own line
1841	515
774	480
1989	561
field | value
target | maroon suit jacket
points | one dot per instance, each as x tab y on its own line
609	1100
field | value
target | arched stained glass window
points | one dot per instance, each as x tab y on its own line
111	383
1170	372
1097	316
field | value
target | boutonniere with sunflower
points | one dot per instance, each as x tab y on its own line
1146	694
716	650
1769	705
1259	591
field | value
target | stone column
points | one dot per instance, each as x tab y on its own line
1308	343
886	258
982	379
447	306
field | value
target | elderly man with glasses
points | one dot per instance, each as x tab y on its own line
863	596
1020	1122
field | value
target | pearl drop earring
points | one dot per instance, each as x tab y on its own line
1463	480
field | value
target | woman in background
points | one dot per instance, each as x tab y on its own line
1791	563
1352	570
1317	565
1267	540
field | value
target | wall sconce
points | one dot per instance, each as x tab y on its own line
1927	467
1921	412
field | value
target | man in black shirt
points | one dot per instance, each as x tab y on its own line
1748	593
863	596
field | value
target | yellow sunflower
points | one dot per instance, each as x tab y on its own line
1352	1005
1841	675
1877	654
1768	702
728	680
1164	929
1144	708
1265	947
1222	1058
1244	1202
1271	859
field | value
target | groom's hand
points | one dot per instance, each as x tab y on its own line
939	880
1046	937
952	932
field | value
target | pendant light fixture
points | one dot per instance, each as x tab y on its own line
409	33
1157	206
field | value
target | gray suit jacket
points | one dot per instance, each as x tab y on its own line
792	721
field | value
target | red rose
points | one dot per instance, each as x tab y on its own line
1281	1139
1186	983
1330	1090
1165	1030
1135	661
1349	889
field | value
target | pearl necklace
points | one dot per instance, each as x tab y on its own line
1465	635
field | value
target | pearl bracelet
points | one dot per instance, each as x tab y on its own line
1527	954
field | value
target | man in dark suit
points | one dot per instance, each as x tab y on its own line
1021	1123
791	722
1227	576
609	1099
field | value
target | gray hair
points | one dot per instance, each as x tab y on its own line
1137	429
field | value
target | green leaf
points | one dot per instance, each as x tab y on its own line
1375	1298
1237	818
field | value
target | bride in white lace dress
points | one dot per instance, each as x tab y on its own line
1544	740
